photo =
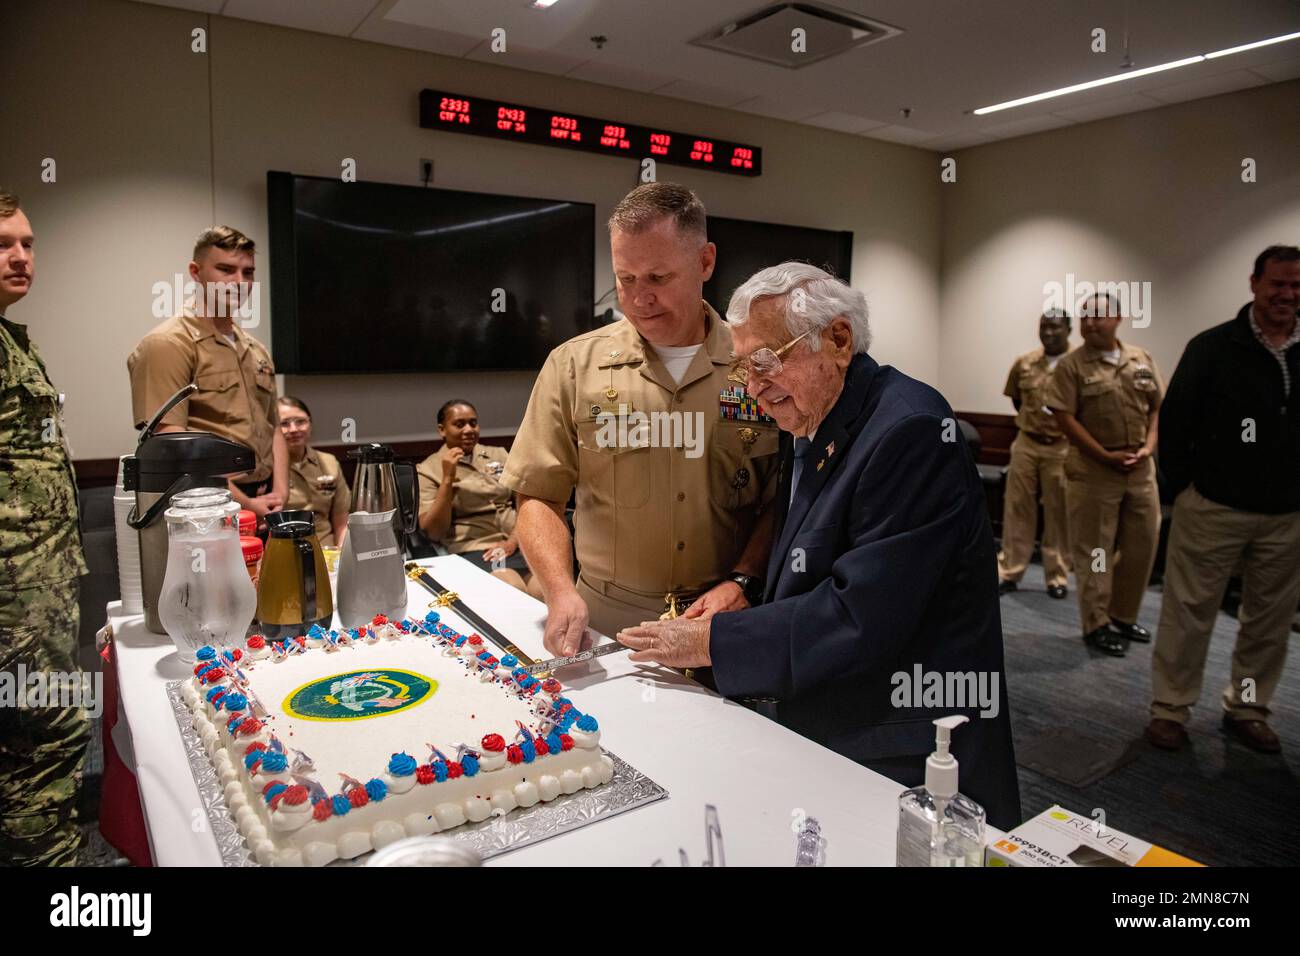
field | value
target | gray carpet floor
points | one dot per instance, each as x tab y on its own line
1216	801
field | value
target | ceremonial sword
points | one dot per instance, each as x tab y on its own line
446	598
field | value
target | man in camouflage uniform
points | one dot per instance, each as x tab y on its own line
42	747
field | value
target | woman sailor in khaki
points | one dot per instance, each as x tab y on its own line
463	504
316	481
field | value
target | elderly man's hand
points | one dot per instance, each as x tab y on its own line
680	642
726	596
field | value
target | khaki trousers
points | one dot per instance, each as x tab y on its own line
1206	544
1035	470
1114	532
611	612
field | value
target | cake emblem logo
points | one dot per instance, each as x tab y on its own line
356	695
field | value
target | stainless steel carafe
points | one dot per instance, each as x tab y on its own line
384	484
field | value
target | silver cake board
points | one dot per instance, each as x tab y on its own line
628	789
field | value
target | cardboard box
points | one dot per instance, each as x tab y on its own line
1059	837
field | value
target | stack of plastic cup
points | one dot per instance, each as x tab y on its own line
129	580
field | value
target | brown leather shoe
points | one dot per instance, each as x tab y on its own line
1166	734
1255	734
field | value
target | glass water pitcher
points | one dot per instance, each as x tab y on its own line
207	596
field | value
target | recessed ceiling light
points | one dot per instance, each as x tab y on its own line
544	4
1131	75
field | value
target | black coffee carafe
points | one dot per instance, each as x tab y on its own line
162	466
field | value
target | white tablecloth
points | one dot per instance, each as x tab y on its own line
701	747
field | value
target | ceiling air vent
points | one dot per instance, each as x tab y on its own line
768	35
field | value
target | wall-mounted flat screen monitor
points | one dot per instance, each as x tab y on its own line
371	277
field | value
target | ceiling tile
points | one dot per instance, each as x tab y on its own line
340	17
1022	127
1205	86
959	141
521	58
1112	107
612	74
780	107
901	134
379	30
702	93
199	6
1279	71
844	122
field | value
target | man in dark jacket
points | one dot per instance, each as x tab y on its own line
880	609
1230	450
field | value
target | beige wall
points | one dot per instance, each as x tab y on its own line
150	151
1154	196
154	142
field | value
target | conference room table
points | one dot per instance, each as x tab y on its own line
702	748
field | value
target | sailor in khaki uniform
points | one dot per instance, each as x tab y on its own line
1106	395
671	463
316	480
233	370
1037	466
463	504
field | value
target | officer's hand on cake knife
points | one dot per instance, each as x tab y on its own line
566	624
678	642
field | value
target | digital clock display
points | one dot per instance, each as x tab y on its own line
456	113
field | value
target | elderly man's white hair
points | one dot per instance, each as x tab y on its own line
813	298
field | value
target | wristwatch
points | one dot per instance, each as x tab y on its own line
750	585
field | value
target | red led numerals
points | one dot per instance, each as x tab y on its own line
702	151
659	143
742	157
452	110
615	136
510	119
566	128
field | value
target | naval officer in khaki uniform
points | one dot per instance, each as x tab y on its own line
1037	466
233	370
671	464
464	505
1106	395
316	480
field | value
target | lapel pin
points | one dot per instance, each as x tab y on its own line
830	449
820	463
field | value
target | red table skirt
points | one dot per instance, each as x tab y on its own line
121	818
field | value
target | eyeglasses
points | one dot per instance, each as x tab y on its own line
764	361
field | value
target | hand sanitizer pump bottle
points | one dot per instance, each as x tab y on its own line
937	826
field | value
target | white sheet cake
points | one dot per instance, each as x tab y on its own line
336	743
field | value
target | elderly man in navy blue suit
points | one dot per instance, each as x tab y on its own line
880	610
